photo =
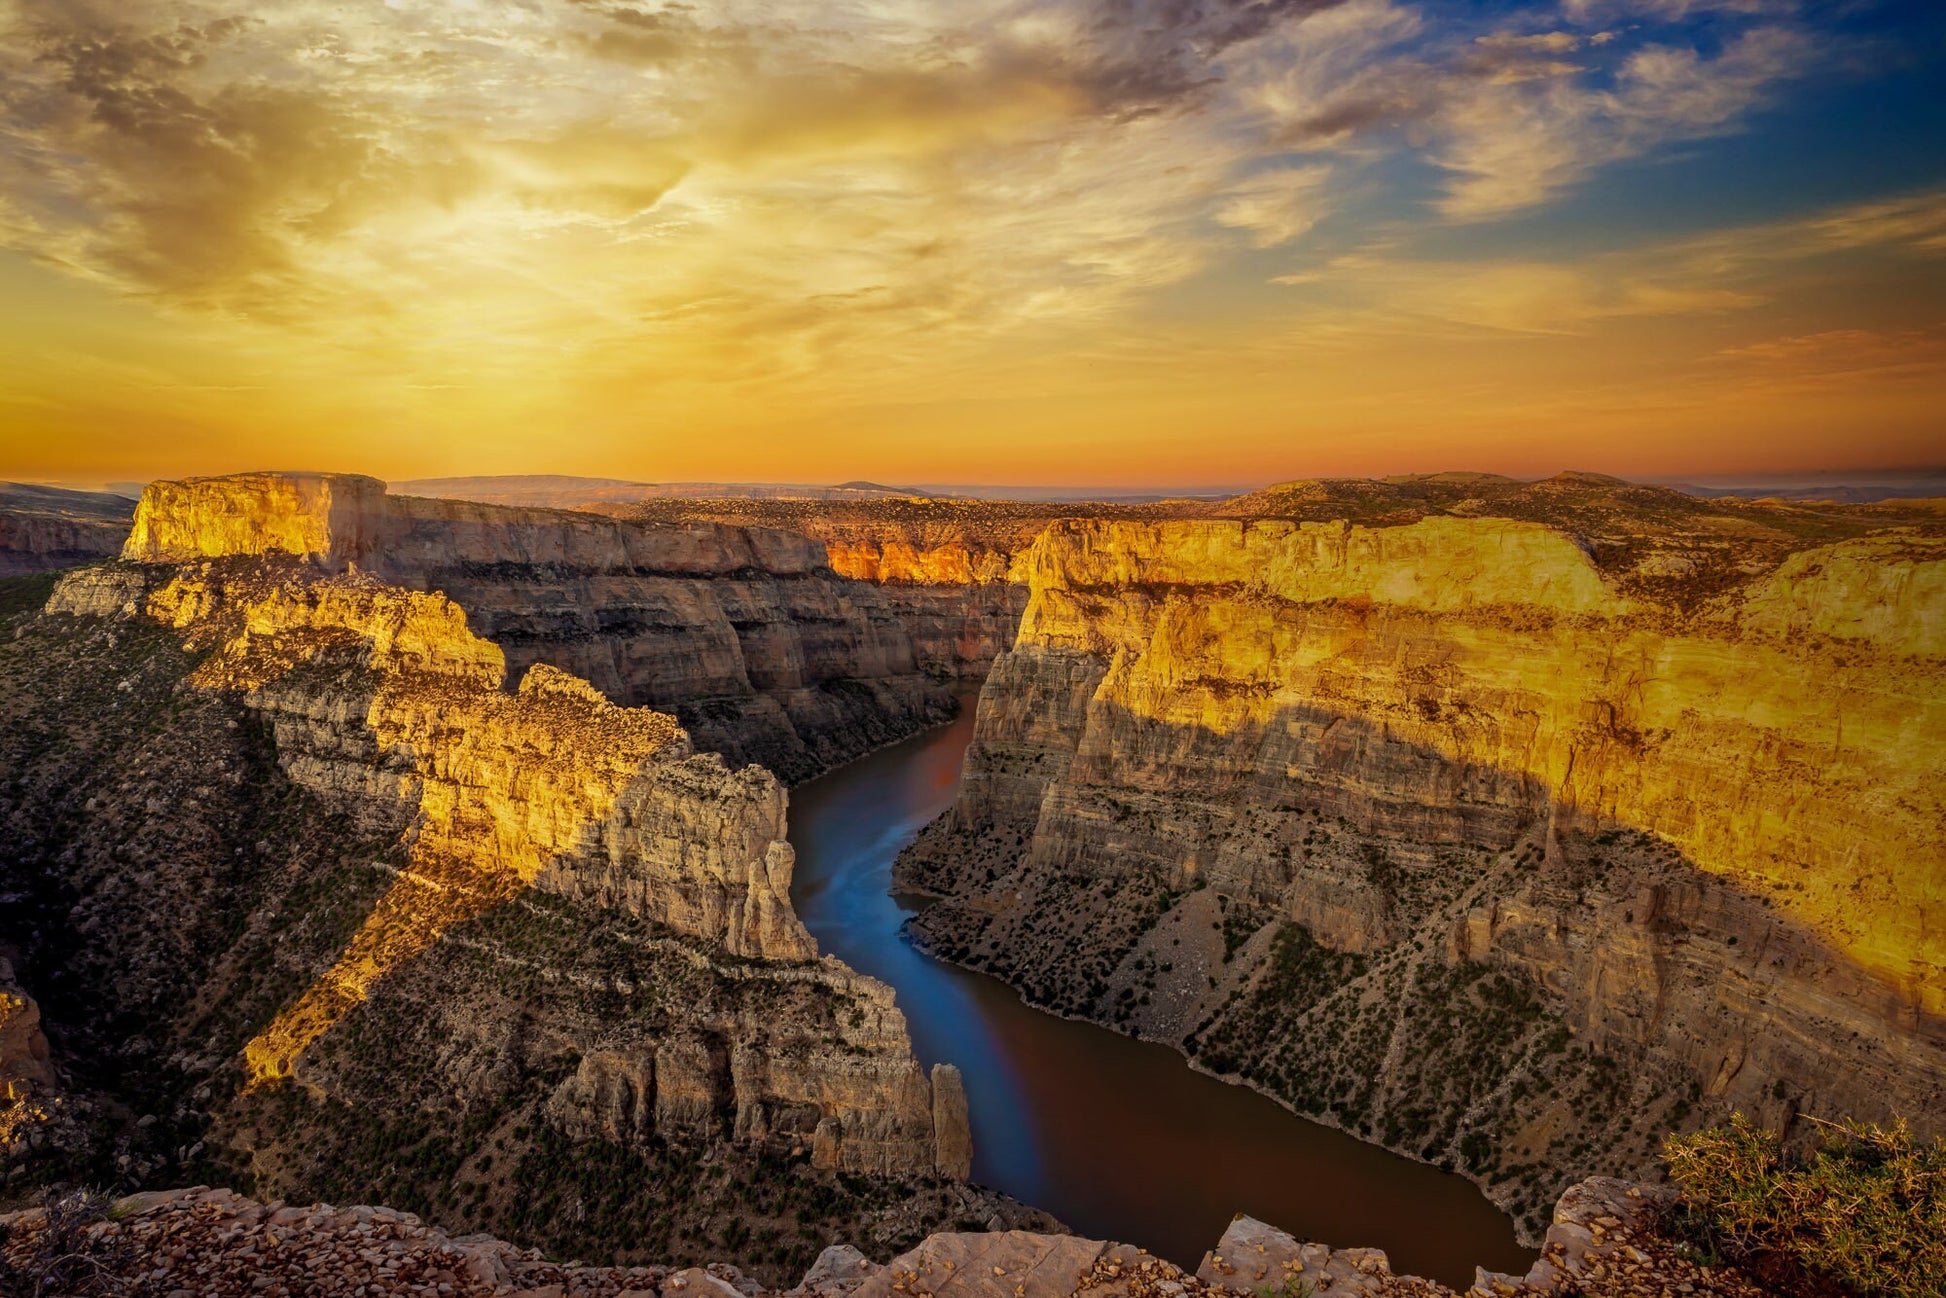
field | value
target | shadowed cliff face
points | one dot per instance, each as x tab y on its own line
743	633
308	889
44	528
951	570
1433	832
382	701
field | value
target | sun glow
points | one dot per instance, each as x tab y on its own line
1056	241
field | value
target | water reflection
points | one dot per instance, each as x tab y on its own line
1119	1138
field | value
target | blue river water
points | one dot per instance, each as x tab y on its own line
1118	1138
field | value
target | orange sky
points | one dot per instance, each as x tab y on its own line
1025	242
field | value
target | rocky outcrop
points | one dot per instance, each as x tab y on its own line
950	569
44	528
551	785
382	700
743	633
27	1080
1605	1241
1449	800
305	864
952	1130
24	1063
334	518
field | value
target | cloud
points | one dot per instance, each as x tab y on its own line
1733	272
1516	117
827	197
1510	146
1917	221
1903	226
1276	206
1586	11
1533	42
1518	297
1847	349
1142	54
300	162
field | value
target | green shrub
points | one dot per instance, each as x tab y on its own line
1866	1208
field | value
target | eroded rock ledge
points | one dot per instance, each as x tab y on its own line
1438	833
213	1243
356	915
744	633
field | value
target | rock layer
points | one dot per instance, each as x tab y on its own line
744	633
1443	800
298	859
951	569
44	528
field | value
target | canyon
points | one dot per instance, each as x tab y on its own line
744	634
433	852
1467	835
312	894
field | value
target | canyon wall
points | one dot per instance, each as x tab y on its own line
314	897
383	702
743	633
44	528
1433	832
958	589
949	569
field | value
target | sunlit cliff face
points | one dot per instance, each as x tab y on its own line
499	784
1028	239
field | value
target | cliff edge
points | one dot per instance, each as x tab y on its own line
1606	1240
745	634
1455	834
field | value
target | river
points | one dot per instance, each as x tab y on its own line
1118	1138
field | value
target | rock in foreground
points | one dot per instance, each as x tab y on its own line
214	1243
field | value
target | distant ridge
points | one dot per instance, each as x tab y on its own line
564	491
33	498
1851	487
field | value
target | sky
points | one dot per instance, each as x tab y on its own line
1122	242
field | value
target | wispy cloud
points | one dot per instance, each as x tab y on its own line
645	206
1723	272
1278	205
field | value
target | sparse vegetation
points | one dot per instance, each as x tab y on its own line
1864	1208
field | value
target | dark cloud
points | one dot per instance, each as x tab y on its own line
658	37
1144	55
1406	90
201	194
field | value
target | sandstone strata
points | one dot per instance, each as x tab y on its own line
1445	833
274	810
43	528
952	570
381	699
744	633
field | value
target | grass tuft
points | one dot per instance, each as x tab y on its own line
1865	1209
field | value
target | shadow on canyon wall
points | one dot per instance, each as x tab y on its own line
1440	955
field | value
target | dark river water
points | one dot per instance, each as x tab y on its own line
1118	1138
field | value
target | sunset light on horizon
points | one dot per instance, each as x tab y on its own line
1192	243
